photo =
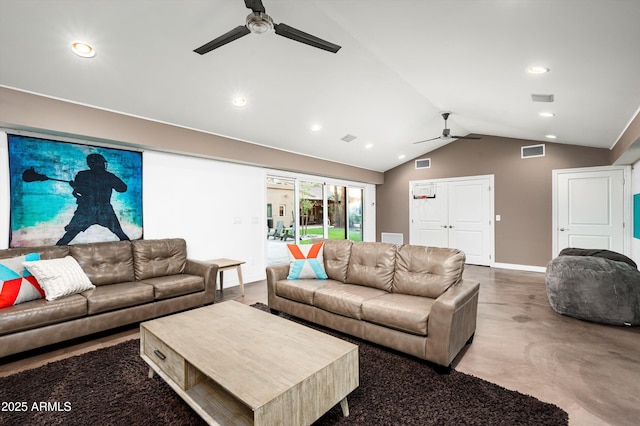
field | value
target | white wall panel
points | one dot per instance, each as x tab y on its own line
218	207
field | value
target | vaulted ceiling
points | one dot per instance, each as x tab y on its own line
401	64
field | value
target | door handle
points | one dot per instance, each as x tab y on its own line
564	229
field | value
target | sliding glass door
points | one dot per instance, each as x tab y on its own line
311	202
303	211
281	214
336	204
354	213
345	213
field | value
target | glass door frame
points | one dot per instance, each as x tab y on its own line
325	182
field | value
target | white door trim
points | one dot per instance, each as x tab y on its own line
626	170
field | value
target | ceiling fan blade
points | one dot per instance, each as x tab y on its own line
232	35
255	5
297	35
427	140
466	137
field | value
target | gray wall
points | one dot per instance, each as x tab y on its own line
522	190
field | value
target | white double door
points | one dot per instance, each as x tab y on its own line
591	208
454	213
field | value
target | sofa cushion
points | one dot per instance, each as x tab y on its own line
399	311
175	285
157	258
59	277
344	299
372	265
306	261
39	313
105	263
301	290
427	271
336	258
117	296
17	285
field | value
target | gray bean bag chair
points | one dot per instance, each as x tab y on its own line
594	285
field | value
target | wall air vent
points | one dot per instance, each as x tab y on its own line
423	163
541	98
532	151
348	138
392	238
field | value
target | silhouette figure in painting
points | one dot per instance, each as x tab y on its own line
92	189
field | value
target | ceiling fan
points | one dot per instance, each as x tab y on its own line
446	132
259	22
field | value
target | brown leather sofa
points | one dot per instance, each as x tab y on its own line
135	281
409	298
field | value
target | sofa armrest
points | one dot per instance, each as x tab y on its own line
452	321
274	274
208	271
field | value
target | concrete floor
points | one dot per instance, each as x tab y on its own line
592	371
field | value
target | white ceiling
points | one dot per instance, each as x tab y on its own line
402	62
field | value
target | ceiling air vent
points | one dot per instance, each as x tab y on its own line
423	163
532	151
541	98
348	138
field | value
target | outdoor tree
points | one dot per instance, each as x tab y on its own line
305	207
306	204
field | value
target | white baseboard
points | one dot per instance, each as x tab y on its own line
516	267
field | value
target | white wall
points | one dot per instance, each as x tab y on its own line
219	208
635	189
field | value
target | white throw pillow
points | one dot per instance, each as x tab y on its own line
59	277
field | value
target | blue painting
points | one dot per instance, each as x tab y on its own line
68	193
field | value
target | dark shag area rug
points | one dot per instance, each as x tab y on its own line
110	386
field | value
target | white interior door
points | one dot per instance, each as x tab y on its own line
470	221
589	209
460	216
429	224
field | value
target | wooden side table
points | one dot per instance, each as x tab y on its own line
225	264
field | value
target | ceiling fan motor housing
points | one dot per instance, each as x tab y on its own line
259	23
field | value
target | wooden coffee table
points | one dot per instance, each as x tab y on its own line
234	364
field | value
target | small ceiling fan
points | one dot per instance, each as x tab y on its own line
446	132
259	22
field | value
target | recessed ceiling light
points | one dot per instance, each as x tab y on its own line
239	102
82	49
401	156
316	128
369	146
546	114
537	70
550	136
